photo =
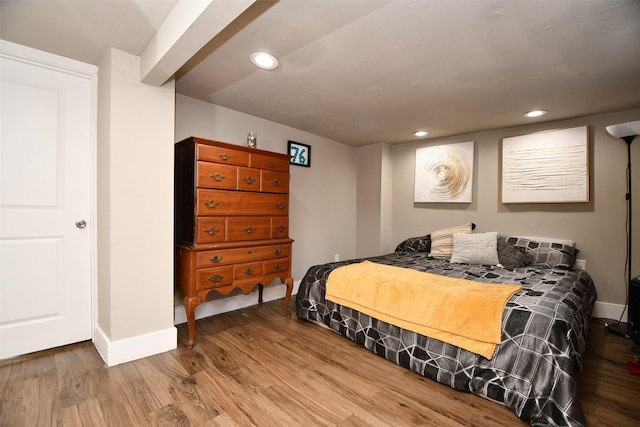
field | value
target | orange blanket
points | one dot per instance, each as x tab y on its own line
461	312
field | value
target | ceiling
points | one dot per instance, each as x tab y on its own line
362	72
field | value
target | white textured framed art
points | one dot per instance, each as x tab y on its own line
546	167
444	173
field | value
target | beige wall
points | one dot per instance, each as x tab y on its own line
597	226
135	209
359	202
322	215
374	198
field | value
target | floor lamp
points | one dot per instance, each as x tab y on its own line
627	132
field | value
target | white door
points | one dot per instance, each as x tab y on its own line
46	136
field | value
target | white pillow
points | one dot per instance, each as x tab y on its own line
477	248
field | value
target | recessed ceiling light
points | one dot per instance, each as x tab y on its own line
421	133
264	60
535	113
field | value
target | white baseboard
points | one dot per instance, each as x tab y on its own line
221	304
607	310
121	351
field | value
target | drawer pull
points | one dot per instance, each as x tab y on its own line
276	182
248	271
249	229
216	278
281	228
224	156
215	259
249	180
211	204
271	164
278	266
217	176
281	205
211	231
277	252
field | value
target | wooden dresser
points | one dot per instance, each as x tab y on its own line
231	221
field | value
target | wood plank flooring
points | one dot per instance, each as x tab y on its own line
257	367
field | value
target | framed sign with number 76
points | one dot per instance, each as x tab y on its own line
300	154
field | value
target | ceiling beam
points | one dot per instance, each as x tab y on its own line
188	27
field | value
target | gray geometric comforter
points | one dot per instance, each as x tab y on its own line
533	369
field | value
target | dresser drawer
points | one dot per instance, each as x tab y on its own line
248	179
218	202
245	271
231	256
279	227
274	182
261	161
210	230
215	175
240	228
221	155
212	278
276	265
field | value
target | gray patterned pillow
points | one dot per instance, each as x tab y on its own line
415	244
547	254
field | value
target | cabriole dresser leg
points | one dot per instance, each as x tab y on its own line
190	304
287	296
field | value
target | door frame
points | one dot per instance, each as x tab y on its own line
90	72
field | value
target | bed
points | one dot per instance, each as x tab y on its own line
544	325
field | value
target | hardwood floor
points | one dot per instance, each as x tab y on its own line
256	367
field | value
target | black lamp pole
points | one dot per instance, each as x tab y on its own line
629	140
617	329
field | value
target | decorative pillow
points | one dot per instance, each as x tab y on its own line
415	244
548	254
442	240
511	256
478	248
543	239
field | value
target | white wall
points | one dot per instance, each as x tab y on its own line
597	226
135	212
322	214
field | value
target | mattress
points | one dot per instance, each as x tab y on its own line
533	369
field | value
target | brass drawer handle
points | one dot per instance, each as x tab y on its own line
249	180
217	176
278	266
275	182
277	252
224	156
271	164
249	229
281	228
211	204
248	271
216	278
211	231
281	205
215	259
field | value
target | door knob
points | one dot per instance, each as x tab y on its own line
81	223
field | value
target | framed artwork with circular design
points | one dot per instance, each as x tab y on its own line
444	173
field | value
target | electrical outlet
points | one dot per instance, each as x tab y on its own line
336	257
581	264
